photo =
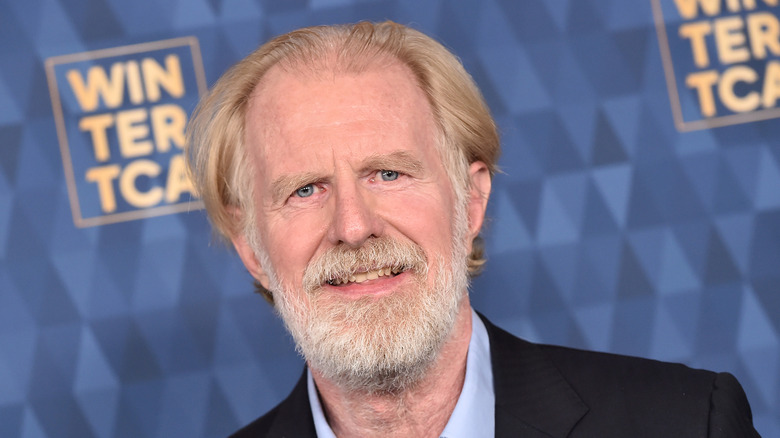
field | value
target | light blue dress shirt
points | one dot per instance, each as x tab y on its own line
474	414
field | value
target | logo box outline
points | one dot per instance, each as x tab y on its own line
59	119
674	97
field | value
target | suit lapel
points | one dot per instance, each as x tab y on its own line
533	399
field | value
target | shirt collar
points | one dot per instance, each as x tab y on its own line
320	424
474	413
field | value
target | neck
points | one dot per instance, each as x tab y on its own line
421	411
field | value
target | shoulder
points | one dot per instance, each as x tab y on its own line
605	374
260	427
624	395
623	373
671	396
627	381
290	418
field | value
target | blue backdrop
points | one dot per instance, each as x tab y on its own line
638	211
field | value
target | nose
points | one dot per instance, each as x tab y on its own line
354	217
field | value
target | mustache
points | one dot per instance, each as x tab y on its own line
341	262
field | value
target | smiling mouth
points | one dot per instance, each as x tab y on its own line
361	277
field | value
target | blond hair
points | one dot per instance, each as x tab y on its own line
216	150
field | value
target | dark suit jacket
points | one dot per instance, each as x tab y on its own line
547	391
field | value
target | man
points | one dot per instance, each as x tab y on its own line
351	166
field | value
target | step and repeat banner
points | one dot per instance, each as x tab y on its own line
638	211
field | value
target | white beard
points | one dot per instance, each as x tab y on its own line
375	345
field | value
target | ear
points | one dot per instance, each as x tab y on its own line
479	192
248	257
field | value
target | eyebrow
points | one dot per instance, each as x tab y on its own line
283	186
402	161
399	160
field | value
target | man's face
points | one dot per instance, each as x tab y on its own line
349	180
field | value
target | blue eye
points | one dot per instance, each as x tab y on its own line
305	191
388	175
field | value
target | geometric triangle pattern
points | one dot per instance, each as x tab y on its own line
609	229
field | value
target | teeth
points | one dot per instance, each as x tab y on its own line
361	277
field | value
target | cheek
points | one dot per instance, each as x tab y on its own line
292	244
428	222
